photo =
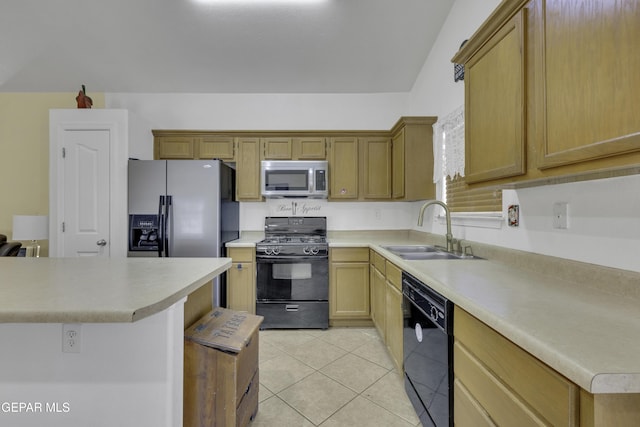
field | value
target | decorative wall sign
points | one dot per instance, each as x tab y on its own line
458	69
298	207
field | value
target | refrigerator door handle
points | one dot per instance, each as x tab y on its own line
167	220
160	226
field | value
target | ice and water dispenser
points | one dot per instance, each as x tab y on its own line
143	233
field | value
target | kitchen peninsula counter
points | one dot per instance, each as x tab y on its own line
97	341
98	290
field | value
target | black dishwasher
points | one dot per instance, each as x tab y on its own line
428	352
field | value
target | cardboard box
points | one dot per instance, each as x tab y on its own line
221	369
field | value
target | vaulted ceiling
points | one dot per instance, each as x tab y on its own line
246	46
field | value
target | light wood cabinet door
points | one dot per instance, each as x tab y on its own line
349	296
349	283
248	169
241	280
376	168
216	147
506	380
495	106
412	159
394	323
343	168
175	147
378	301
397	165
310	148
587	84
277	148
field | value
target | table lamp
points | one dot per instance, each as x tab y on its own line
31	227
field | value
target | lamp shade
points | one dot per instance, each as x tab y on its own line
30	227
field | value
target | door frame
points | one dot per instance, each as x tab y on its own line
116	122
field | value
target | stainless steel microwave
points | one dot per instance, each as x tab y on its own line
294	178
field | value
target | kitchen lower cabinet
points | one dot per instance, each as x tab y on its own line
394	317
378	292
241	280
349	287
498	382
386	304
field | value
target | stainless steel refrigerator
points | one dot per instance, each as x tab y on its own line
182	208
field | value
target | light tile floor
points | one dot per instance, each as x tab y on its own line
338	377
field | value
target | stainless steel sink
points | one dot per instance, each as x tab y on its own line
411	249
427	255
424	252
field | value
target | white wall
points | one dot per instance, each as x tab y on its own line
126	374
603	215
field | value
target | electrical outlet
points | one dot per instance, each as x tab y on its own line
71	338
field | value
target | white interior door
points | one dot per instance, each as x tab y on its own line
88	183
86	193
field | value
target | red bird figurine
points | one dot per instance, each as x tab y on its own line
83	100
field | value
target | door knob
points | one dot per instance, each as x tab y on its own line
101	242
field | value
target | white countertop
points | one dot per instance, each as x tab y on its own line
98	290
587	330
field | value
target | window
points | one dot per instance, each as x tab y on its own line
448	141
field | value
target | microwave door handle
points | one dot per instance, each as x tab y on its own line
160	224
312	181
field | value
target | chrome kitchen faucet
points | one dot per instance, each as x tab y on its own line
448	217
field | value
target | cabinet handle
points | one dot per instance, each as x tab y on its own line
239	267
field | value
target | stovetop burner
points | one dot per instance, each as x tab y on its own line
293	236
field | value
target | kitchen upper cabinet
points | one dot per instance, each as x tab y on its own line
349	303
275	148
376	167
412	159
586	79
310	148
495	106
343	168
551	93
363	165
216	147
174	147
192	145
297	148
248	169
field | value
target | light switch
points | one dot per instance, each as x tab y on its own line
560	213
